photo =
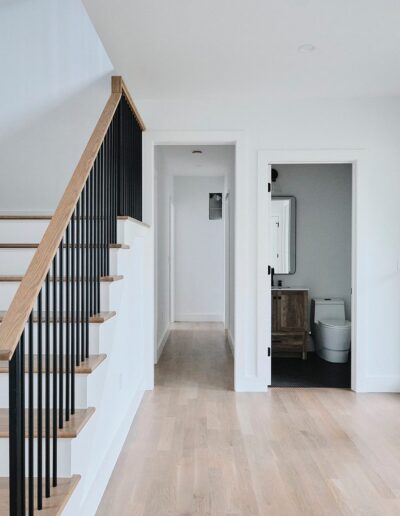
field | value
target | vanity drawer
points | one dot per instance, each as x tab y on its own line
284	343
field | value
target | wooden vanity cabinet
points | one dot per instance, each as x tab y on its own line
289	321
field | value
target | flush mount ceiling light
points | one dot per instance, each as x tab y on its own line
306	48
197	151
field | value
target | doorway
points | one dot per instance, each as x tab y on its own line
194	239
311	256
347	162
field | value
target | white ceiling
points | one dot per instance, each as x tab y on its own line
237	48
178	160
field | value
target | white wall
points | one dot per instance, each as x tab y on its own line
323	228
370	124
198	252
55	83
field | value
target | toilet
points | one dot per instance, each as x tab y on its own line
330	330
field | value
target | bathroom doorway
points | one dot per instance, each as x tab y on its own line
311	233
308	319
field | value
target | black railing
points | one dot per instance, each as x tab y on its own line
57	330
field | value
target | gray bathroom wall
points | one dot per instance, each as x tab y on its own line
323	242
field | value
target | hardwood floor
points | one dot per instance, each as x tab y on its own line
198	448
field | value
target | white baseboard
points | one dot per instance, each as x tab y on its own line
379	384
199	318
250	384
162	342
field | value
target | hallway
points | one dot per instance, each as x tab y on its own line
198	448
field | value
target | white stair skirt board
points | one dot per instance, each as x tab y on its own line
162	342
199	318
97	477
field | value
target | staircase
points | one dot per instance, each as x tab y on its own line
71	327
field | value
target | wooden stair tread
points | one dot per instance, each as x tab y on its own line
52	506
131	219
103	279
49	217
99	318
11	245
86	367
25	217
71	428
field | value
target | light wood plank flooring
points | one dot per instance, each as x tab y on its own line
198	448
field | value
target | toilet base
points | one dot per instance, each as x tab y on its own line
336	357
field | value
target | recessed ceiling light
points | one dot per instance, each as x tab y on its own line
306	48
197	151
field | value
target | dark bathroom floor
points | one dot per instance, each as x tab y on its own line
313	372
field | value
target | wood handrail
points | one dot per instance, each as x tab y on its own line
23	302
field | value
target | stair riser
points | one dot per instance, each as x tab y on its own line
16	261
81	390
63	457
32	231
108	295
22	231
100	337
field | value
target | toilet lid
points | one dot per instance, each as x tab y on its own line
336	323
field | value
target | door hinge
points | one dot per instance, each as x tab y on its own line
269	187
269	351
269	270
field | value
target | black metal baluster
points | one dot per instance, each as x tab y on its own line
101	211
115	176
78	286
67	325
87	256
73	320
55	350
90	244
82	281
30	419
96	237
47	388
112	171
16	391
40	403
131	170
60	322
107	204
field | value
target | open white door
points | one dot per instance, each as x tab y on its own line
263	274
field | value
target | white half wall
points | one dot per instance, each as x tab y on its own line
56	82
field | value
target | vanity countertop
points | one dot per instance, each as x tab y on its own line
289	288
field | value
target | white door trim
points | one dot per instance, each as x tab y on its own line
151	139
266	158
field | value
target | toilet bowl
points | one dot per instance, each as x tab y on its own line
333	340
331	331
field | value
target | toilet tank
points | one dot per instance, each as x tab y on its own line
326	308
